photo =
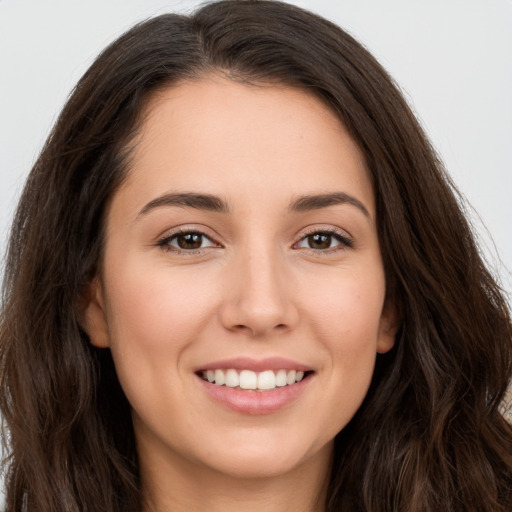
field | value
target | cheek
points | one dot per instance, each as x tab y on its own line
154	317
346	316
154	309
346	308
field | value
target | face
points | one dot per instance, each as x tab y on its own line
242	288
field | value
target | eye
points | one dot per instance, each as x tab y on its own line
187	241
324	241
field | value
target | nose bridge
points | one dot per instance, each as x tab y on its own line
258	299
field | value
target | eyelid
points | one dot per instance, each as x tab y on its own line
164	240
345	240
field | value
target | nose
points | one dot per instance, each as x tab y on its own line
258	298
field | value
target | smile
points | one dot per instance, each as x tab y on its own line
251	380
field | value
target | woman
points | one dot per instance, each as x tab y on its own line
239	277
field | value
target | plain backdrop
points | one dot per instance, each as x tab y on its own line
452	59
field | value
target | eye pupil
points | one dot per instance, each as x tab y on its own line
319	241
189	241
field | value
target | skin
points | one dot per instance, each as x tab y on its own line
255	288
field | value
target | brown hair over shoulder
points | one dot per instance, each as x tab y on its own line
429	436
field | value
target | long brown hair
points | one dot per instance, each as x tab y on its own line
429	435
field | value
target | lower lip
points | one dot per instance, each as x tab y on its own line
255	402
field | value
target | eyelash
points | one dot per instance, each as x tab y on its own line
165	243
345	242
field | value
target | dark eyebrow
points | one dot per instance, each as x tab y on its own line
189	200
318	201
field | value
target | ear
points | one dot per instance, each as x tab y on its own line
389	323
94	319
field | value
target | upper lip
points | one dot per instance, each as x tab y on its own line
256	365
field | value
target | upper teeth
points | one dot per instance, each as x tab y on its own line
247	379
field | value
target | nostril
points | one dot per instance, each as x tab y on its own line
256	317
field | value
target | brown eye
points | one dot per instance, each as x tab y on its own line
190	241
324	241
319	241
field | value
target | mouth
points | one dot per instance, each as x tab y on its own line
249	380
255	386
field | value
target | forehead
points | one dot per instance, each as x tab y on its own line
215	135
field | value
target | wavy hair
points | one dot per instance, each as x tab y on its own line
429	435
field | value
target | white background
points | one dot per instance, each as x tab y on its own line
452	58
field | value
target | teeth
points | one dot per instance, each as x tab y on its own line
219	377
281	378
247	379
267	380
232	379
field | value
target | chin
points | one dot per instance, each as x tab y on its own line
267	459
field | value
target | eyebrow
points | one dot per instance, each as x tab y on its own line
195	200
214	203
317	201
